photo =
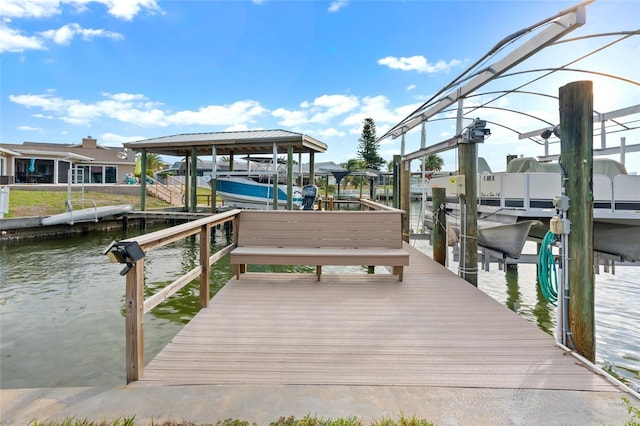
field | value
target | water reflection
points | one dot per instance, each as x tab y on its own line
544	314
513	292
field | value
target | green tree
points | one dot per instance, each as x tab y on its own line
433	163
368	149
155	163
353	165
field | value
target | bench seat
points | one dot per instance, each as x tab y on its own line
330	238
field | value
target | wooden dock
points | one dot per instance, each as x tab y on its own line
433	329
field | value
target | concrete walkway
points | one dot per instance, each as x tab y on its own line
263	404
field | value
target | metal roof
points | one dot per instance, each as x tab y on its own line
237	143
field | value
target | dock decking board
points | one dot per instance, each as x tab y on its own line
433	329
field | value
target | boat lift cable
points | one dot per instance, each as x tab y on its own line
547	272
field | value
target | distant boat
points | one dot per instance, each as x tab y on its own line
84	215
245	192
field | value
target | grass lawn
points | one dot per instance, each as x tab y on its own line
45	203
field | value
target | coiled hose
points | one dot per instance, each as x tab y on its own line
547	273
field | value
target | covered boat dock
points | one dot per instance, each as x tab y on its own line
229	144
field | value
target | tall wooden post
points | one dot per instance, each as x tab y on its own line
290	177
312	169
187	181
134	321
205	251
214	180
439	230
576	136
194	180
396	181
405	197
275	177
468	154
143	180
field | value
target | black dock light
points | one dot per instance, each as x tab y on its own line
124	252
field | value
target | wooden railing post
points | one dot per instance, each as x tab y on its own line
205	252
134	322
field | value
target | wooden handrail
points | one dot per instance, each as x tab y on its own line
373	205
135	304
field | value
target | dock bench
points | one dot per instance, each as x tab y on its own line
298	237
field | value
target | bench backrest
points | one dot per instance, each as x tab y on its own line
299	228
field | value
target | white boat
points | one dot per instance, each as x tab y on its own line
245	192
88	214
526	192
506	238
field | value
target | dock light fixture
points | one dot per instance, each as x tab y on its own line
124	252
546	133
475	132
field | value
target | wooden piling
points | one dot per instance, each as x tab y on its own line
290	177
576	135
134	321
143	180
194	180
468	154
439	230
396	181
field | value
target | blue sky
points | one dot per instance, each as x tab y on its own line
125	70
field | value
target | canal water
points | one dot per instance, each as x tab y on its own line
62	309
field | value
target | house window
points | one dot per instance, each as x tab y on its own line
96	174
34	170
110	174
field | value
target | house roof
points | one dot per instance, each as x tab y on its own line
230	143
100	154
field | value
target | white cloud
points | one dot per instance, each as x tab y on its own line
337	5
411	87
29	129
66	33
29	8
321	110
136	109
240	112
326	107
15	40
128	9
290	118
111	139
330	132
418	63
122	9
12	40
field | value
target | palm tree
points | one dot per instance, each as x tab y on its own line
155	163
433	163
354	165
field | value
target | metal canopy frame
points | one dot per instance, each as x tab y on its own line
550	33
573	19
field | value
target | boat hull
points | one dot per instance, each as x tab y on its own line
506	238
246	193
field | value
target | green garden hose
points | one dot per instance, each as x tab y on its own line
547	273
